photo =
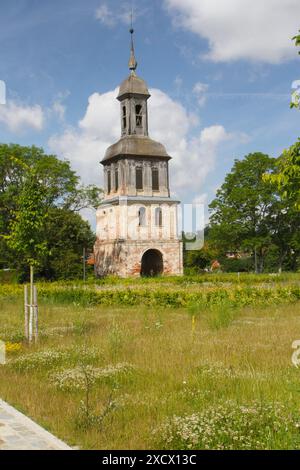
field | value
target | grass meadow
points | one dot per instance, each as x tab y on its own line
173	363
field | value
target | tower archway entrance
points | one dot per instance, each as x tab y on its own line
152	263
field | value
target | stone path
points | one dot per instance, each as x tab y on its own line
17	432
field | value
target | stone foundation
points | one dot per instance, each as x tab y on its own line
124	258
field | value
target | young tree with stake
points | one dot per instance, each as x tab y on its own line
27	233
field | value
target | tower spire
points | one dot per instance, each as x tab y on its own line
132	61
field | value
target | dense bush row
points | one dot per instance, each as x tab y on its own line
164	297
190	279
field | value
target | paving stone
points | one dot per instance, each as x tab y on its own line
17	432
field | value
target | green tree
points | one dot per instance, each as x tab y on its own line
57	180
61	183
32	184
286	175
200	259
27	228
297	40
295	103
67	235
248	214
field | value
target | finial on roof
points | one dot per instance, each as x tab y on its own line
132	61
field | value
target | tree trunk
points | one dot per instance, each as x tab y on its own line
261	264
282	255
255	261
260	261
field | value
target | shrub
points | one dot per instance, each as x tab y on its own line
242	265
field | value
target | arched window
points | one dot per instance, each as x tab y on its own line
138	115
124	117
108	181
116	179
142	217
139	178
158	217
155	181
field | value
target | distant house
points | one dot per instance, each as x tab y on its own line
91	260
237	255
215	265
233	255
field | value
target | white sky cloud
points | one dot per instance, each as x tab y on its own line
200	198
257	30
122	14
2	92
200	90
20	118
59	110
105	16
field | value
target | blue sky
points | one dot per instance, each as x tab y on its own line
220	75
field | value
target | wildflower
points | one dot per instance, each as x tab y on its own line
37	360
76	379
228	426
13	347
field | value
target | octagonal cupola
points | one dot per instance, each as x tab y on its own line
133	96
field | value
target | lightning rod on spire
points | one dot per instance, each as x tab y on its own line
132	61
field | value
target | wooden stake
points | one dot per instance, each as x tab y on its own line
36	324
31	305
84	267
26	329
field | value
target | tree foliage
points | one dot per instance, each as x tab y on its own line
27	227
249	216
38	196
295	103
297	40
287	175
199	260
67	235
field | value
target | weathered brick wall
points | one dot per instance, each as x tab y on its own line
115	221
123	258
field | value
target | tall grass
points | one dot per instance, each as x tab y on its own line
151	376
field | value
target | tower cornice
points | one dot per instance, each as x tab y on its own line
133	146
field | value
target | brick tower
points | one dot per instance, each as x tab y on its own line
137	226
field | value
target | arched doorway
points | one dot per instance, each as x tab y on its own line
152	263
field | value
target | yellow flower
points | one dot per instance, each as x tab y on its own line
13	347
